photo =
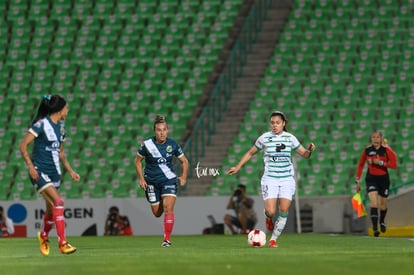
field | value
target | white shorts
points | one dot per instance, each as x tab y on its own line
278	188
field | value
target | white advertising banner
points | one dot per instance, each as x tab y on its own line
87	216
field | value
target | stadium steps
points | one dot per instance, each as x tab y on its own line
247	84
234	33
319	92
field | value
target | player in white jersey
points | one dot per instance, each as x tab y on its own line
48	135
158	179
278	184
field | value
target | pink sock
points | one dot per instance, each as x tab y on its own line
60	223
47	225
168	225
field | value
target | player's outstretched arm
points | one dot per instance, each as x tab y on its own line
246	157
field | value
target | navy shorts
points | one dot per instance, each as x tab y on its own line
155	191
46	180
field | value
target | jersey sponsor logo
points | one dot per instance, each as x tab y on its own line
54	147
277	159
162	160
280	147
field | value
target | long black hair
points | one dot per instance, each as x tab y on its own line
49	105
282	115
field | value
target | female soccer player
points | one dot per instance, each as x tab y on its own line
159	179
379	157
278	184
48	135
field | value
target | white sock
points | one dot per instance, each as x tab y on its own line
279	226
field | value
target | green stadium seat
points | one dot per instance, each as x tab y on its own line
66	48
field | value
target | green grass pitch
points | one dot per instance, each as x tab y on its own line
212	254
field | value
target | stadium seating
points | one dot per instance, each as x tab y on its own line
340	70
118	63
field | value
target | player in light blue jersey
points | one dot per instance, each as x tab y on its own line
158	179
48	135
278	184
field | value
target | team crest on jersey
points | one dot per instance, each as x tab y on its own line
169	149
62	130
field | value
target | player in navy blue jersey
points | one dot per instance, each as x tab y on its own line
158	179
47	134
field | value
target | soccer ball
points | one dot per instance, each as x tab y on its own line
256	238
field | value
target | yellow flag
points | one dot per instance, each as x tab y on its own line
358	206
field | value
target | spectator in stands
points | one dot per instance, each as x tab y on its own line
48	135
245	218
278	183
379	157
159	179
116	224
6	224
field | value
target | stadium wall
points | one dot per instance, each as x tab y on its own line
400	217
87	217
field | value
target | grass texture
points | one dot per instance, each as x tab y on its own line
212	254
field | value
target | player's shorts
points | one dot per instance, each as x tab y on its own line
273	188
381	184
46	180
155	191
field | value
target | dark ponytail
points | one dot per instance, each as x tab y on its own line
49	105
159	119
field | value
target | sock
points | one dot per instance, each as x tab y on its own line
279	225
47	225
374	218
267	215
168	225
383	213
59	223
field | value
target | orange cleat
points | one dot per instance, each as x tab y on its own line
67	248
44	244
